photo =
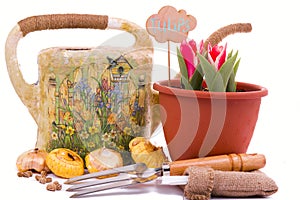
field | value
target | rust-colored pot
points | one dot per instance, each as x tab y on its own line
201	123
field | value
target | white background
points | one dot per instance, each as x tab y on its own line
270	57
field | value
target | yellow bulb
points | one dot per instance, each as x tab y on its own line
65	163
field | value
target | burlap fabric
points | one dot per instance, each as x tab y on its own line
205	182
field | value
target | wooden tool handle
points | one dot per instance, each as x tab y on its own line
231	162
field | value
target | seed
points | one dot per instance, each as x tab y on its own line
56	183
37	177
43	179
28	174
48	179
54	186
20	174
25	174
51	187
44	173
58	187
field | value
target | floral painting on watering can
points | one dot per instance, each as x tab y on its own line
95	101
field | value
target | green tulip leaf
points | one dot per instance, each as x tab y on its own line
229	54
212	77
231	85
183	71
227	69
209	71
217	84
197	78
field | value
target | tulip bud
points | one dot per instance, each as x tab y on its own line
217	55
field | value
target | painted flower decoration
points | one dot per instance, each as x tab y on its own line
212	64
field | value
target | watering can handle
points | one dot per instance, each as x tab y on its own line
29	93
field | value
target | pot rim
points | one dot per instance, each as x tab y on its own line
252	91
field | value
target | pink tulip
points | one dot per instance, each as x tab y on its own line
201	47
193	45
217	55
189	56
189	52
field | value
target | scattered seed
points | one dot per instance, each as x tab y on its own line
51	187
25	174
54	186
44	173
43	179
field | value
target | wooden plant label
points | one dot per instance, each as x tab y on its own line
170	25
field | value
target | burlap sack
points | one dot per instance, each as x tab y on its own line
205	182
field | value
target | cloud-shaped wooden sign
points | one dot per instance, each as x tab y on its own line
170	25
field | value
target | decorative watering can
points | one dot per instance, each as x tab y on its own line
86	98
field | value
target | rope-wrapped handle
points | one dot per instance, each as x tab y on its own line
61	21
217	36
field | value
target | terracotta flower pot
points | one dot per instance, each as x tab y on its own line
201	123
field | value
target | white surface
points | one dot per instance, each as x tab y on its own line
270	57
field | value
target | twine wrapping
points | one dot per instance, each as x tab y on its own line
217	36
205	182
59	21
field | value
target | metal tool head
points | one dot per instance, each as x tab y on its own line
123	180
137	168
128	175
